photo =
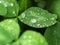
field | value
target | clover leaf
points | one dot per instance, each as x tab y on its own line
38	17
10	7
12	27
32	38
52	34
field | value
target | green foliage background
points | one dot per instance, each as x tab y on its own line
29	22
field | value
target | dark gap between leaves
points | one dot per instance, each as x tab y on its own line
25	27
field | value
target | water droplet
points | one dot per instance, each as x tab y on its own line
44	20
31	12
38	24
5	5
11	4
10	21
30	37
21	20
33	20
52	18
0	1
23	15
53	23
54	31
13	12
7	44
29	41
47	25
25	37
10	28
24	43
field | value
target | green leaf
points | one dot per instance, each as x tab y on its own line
5	37
41	4
55	8
52	34
32	38
37	17
12	27
24	5
11	7
3	10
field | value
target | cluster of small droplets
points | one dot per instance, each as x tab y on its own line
38	19
53	36
7	4
9	26
7	44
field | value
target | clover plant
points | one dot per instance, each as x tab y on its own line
29	22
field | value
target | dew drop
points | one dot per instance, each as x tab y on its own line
10	21
29	41
33	20
53	23
21	20
41	26
13	12
44	20
11	4
5	5
30	37
38	24
7	44
47	25
24	37
54	31
52	18
0	1
31	12
23	15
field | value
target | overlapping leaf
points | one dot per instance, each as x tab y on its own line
32	38
52	34
11	26
11	7
5	37
55	8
